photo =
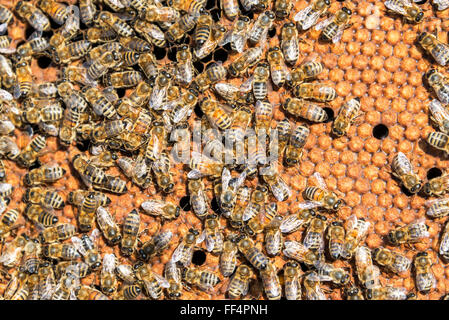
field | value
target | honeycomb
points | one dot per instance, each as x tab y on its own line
377	60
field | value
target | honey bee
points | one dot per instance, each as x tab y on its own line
247	60
312	289
217	34
109	129
403	170
314	238
254	256
87	11
436	48
306	110
60	251
439	83
294	222
308	16
212	234
30	153
259	83
336	238
195	6
43	174
230	9
270	280
126	273
5	15
8	77
50	113
6	127
39	215
34	45
108	280
137	170
57	11
77	197
184	68
153	283
258	199
278	187
441	4
173	276
183	25
327	272
214	73
198	198
128	292
131	226
216	114
348	112
315	91
47	281
228	257
273	236
24	79
89	293
356	231
203	279
100	65
437	208
353	293
294	147
16	287
100	103
65	289
9	148
45	197
292	280
31	256
108	226
154	13
393	261
261	27
203	29
78	268
13	251
57	233
386	293
34	16
444	243
411	233
425	279
238	35
184	251
411	12
167	210
332	28
239	283
440	115
278	69
155	245
306	71
147	62
439	140
367	273
89	173
161	168
242	200
87	247
320	196
112	21
100	35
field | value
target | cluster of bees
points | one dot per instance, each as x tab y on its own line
104	46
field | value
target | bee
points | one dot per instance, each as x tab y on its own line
13	251
356	231
392	261
49	113
217	116
321	196
230	9
439	83
411	12
387	293
100	103
308	16
312	289
167	210
214	73
278	187
39	215
332	28
242	201
278	69
78	268
184	68
100	65
228	257
183	25
295	145
439	140
108	226
198	198
155	245
336	238
217	35
108	19
437	208
367	273
87	11
440	115
403	170
24	79
239	283
273	236
159	93
65	289
31	256
109	129
45	197
89	293
425	279
294	222
444	243
137	170
123	79
16	287
245	61
259	84
184	251
253	254
173	276
126	273
34	16
314	238
57	11
441	4
131	226
261	27
57	233
315	91
154	13
89	173
271	284
238	35
5	15
411	233
30	153
128	292
203	279
203	29
438	50
8	77
47	281
306	71
108	280
353	293
213	234
306	110
2	171
153	283
95	35
292	280
348	112
87	247
9	148
258	199
77	197
147	62
161	169
196	6
44	174
135	44
60	251
34	45
327	272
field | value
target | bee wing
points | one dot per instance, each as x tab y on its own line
162	281
438	111
110	94
177	254
78	243
153	207
239	41
3	28
210	242
194	174
226	39
397	6
181	113
5	95
10	256
16	92
157	97
310	20
301	15
225	178
248	84
429	203
401	164
109	263
337	36
320	181
322	24
200	238
442	95
104	218
309	205
290	223
441	4
48	288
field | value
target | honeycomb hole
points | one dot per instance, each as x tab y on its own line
434	173
330	114
214	205
199	257
159	53
121	92
380	131
43	62
184	203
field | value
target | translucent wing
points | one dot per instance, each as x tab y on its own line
441	4
177	254
153	207
309	205
337	36
210	243
442	93
5	95
3	28
322	24
194	174
78	243
48	288
310	20
301	15
396	6
109	263
162	281
320	181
